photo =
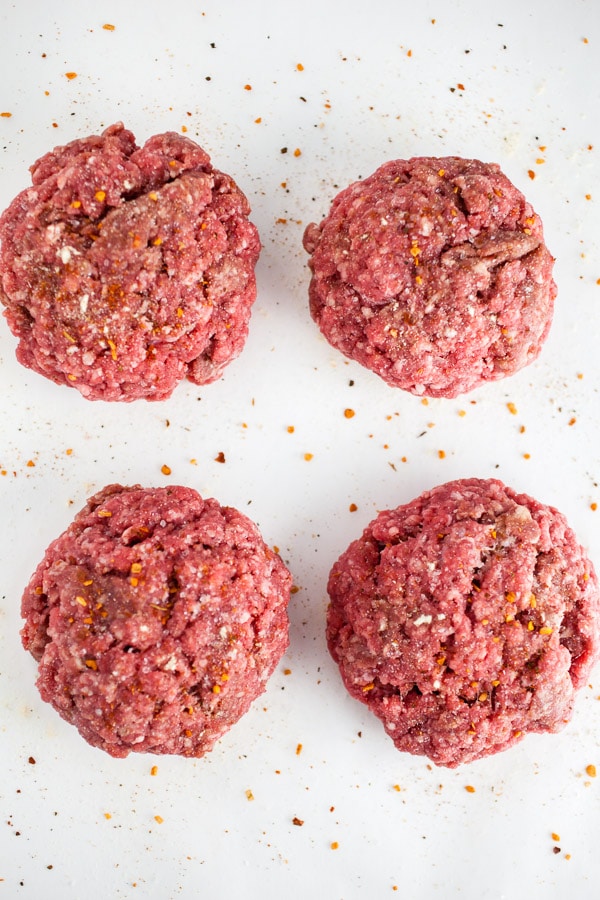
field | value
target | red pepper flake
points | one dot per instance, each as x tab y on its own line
5	115
108	27
70	75
353	507
572	420
297	821
460	86
247	87
31	761
166	470
349	413
531	173
220	457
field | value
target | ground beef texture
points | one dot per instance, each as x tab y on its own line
433	273
156	619
465	619
126	269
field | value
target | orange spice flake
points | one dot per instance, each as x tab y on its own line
591	771
353	507
107	816
108	27
91	664
531	173
334	845
247	87
5	115
220	457
441	454
249	795
166	470
469	788
290	429
298	749
159	819
300	67
297	152
593	506
100	196
104	513
70	75
511	408
308	456
154	770
349	413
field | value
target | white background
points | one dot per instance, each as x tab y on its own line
349	85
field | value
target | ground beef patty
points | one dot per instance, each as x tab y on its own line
125	270
433	273
465	619
156	619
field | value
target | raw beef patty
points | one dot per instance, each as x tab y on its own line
156	619
125	270
465	619
433	273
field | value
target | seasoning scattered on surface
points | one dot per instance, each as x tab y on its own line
165	469
297	821
249	795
